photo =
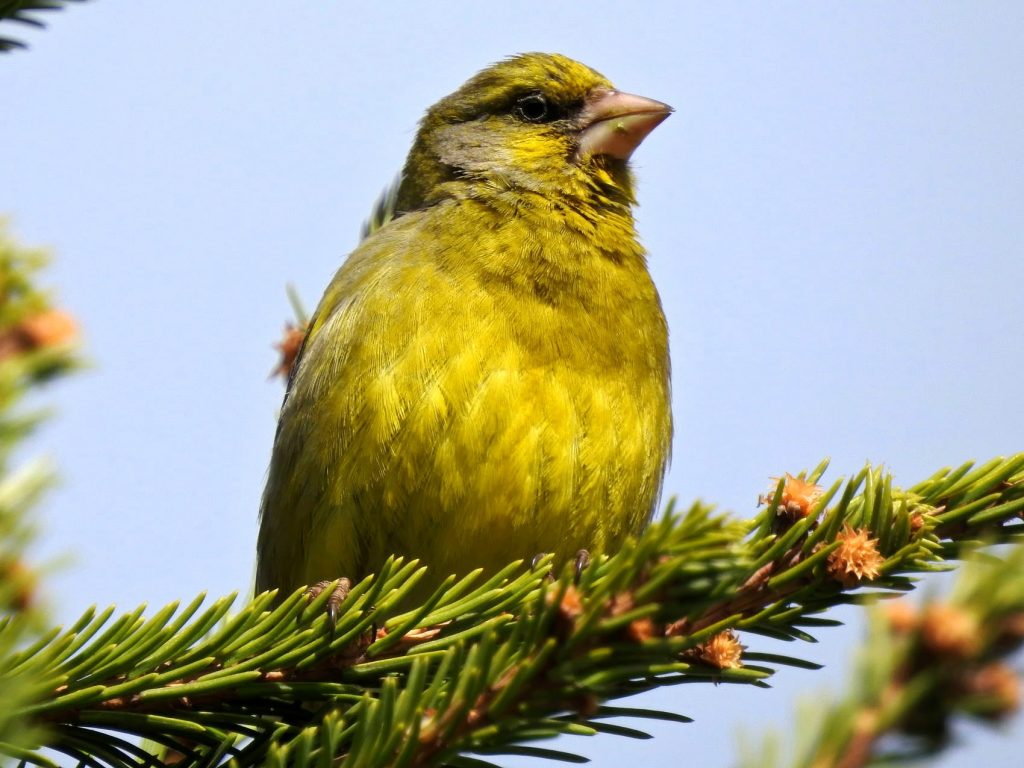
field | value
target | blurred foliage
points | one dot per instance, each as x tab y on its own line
25	12
35	346
920	670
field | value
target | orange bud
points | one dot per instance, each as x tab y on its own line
798	496
641	630
902	616
722	651
49	329
620	603
289	347
857	559
572	603
948	630
998	683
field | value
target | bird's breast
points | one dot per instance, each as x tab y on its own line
506	417
461	416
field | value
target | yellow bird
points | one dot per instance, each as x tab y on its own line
486	377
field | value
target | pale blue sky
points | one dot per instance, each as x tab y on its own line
834	216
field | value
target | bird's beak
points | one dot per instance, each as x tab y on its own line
614	123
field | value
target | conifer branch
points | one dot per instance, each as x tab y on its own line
919	671
23	12
486	668
35	346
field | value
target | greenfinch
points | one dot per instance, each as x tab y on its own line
486	377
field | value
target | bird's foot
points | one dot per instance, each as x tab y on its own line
582	561
535	562
340	591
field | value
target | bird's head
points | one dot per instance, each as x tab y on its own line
534	123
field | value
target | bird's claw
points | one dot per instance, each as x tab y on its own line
581	562
340	591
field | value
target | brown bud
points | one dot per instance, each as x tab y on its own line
902	616
641	630
999	685
950	631
620	603
722	651
798	496
49	328
289	347
572	603
856	559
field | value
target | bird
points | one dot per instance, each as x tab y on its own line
487	376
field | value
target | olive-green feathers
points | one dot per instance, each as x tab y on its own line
487	376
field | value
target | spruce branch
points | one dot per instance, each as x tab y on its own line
23	12
490	666
919	670
35	346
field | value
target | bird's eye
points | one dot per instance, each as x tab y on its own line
533	108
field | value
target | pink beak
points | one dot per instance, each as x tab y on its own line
614	123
